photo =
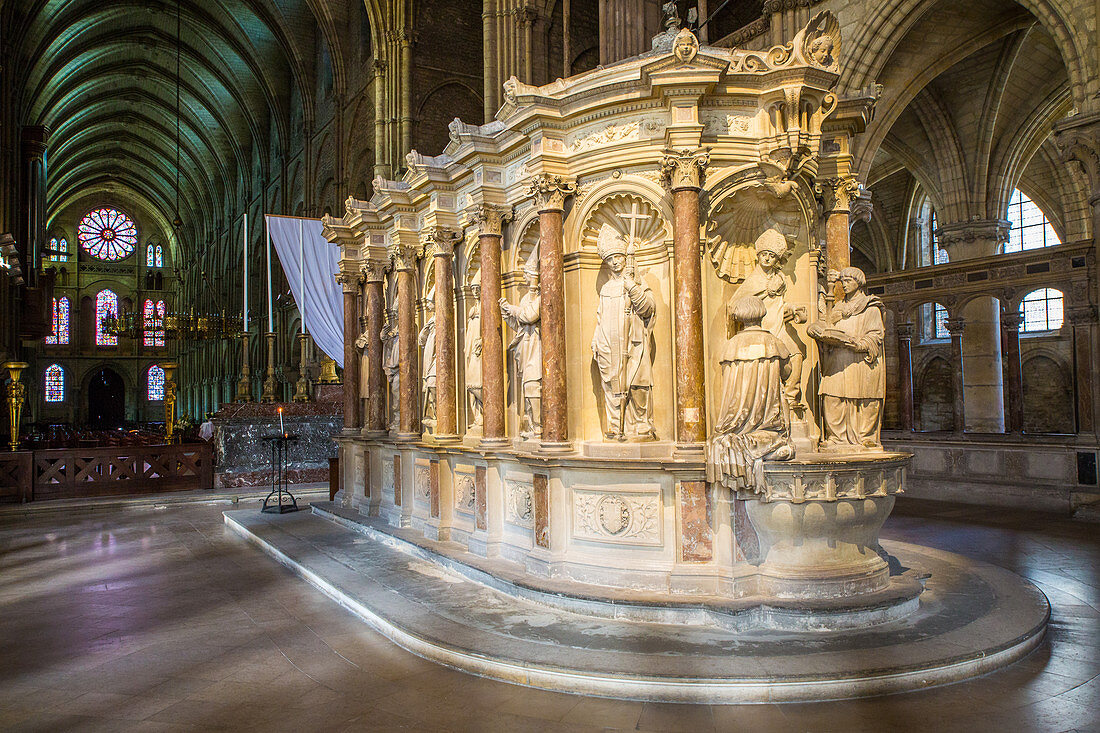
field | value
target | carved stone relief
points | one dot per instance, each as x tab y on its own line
518	504
422	481
620	517
464	489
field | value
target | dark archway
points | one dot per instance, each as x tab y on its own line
106	399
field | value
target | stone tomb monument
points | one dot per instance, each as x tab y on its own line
674	380
624	393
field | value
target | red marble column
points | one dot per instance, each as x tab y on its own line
550	193
409	355
1013	372
905	375
350	283
684	177
490	220
955	328
838	248
442	242
375	273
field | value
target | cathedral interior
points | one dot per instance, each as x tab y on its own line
496	178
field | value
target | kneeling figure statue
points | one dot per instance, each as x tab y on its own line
753	418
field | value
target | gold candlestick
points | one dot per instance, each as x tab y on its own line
244	387
17	395
169	399
301	388
270	384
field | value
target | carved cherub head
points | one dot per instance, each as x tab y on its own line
821	51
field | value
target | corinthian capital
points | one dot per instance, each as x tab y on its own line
549	192
439	241
839	193
404	257
489	219
349	281
1078	141
374	271
683	169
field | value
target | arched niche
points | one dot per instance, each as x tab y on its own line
637	212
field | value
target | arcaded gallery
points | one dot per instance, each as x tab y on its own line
550	365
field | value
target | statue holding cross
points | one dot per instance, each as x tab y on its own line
622	344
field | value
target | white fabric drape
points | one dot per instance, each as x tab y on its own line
324	299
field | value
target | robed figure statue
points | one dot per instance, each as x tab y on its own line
391	365
773	287
853	377
426	339
621	344
472	352
753	415
523	319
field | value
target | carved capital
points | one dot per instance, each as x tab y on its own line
489	219
839	193
439	241
349	281
975	238
905	331
403	257
955	326
1078	141
1010	322
1081	315
684	169
374	271
550	192
861	207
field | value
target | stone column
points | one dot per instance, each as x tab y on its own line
404	261
1013	372
350	283
550	192
905	375
684	174
984	387
490	220
955	328
1083	321
841	192
441	245
32	232
375	275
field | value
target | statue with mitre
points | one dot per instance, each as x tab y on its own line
622	344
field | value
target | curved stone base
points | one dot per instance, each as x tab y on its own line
972	618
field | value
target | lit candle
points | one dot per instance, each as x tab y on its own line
270	309
244	303
301	273
281	428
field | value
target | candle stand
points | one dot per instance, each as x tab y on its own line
280	500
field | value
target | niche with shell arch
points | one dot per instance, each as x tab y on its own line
645	223
743	205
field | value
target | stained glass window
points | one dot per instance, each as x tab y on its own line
933	319
1041	311
106	303
59	245
149	255
155	379
107	234
1030	227
153	315
158	257
55	383
60	334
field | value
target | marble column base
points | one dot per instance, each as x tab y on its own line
556	447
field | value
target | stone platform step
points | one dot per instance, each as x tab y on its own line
973	618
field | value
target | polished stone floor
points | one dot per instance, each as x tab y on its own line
154	617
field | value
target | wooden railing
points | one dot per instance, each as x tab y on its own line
69	473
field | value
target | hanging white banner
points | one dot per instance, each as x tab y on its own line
311	264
